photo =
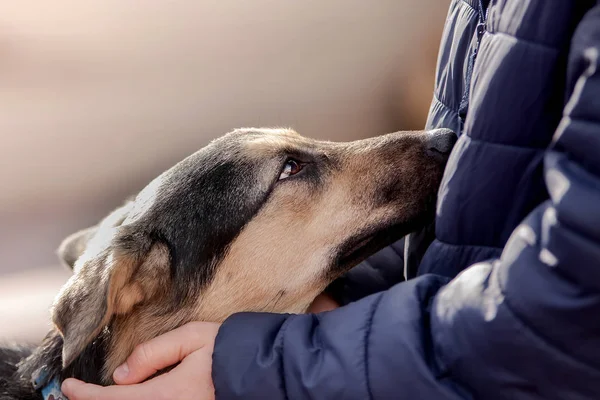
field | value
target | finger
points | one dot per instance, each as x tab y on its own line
78	390
190	379
196	368
322	303
163	351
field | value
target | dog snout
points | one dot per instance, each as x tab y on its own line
440	141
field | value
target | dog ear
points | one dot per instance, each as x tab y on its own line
119	268
73	246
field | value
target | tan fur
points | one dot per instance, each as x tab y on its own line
133	284
151	284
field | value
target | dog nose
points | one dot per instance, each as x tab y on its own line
441	141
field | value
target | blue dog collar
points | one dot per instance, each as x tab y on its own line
50	388
52	391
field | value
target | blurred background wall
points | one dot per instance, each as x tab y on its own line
98	97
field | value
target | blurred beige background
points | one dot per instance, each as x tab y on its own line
98	97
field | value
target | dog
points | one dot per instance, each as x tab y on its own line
258	220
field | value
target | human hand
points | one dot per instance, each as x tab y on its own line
322	302
192	344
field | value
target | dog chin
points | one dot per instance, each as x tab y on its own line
361	246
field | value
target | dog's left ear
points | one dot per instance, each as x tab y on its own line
119	269
73	246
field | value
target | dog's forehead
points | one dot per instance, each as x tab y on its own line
265	132
259	143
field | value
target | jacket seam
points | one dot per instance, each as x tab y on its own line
533	332
401	256
282	334
469	5
500	144
531	42
469	245
367	336
443	104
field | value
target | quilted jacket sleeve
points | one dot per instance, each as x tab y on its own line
370	349
524	326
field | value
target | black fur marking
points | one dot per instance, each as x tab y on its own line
18	365
219	192
12	385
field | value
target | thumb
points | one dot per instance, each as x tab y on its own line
164	351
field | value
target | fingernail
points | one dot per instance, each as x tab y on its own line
121	372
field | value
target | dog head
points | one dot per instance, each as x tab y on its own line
259	220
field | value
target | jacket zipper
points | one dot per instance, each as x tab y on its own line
479	31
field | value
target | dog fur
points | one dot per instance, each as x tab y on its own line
225	231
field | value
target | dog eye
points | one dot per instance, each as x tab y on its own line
291	167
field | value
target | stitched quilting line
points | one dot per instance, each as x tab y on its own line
282	330
468	245
528	329
443	104
367	335
511	145
466	2
529	42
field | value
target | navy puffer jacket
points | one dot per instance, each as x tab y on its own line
518	214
